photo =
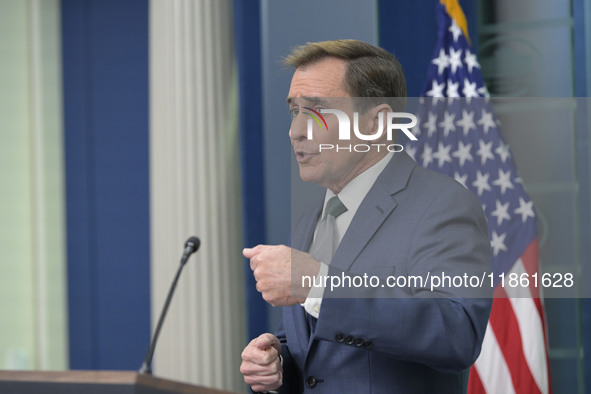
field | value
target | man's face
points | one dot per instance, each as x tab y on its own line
317	86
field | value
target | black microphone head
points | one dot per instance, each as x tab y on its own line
193	243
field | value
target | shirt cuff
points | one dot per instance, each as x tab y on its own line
313	303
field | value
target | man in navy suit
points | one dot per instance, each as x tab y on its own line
393	219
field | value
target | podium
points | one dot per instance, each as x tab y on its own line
93	382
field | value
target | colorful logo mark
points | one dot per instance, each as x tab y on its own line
315	115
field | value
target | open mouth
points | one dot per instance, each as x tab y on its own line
303	156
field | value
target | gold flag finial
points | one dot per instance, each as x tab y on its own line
455	12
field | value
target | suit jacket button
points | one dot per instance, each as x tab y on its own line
311	382
340	337
358	342
368	345
349	340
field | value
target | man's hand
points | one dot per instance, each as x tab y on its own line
261	365
278	271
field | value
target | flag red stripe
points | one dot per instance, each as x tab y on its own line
541	311
506	329
530	260
474	383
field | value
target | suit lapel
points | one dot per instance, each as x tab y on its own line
377	205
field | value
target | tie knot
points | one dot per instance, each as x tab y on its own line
334	207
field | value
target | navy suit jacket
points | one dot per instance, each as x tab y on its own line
411	222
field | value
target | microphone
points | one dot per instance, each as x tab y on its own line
191	247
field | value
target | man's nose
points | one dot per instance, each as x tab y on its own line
299	128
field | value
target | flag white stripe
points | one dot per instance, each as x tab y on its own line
531	330
492	368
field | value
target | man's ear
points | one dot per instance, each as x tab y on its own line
374	116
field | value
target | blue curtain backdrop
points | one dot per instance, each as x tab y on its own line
105	77
248	53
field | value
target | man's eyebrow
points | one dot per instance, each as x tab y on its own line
313	100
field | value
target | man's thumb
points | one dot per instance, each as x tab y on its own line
266	341
250	252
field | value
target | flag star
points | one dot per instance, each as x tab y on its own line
467	121
431	124
470	89
442	154
411	150
452	88
471	61
484	151
498	243
503	181
503	152
486	120
442	61
427	156
448	123
463	153
436	90
455	30
483	91
455	59
461	178
501	212
525	209
481	183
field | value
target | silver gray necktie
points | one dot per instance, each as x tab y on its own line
325	243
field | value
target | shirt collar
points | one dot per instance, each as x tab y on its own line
354	192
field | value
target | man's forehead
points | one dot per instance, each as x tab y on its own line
322	78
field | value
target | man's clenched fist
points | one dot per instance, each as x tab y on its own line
261	365
278	271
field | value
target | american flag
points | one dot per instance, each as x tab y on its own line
459	136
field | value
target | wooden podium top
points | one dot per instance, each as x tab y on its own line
93	382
